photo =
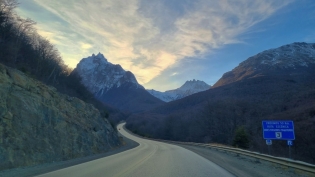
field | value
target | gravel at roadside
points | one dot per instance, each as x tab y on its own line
243	166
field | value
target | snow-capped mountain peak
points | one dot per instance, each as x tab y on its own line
92	62
288	56
189	88
99	75
290	59
194	85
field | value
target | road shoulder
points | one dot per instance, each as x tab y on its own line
45	168
239	165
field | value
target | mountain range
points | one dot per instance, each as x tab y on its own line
118	88
189	88
274	84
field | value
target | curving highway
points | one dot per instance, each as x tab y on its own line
149	159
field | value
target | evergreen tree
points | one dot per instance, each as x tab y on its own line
241	139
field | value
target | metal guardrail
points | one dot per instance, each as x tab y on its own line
299	165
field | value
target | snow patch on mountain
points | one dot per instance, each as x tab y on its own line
287	56
189	88
99	75
285	60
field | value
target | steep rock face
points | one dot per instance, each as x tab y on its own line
293	59
39	125
113	85
189	88
99	75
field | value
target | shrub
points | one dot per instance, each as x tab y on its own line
241	139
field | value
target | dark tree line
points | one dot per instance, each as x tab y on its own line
215	122
21	47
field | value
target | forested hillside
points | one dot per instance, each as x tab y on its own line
41	121
21	47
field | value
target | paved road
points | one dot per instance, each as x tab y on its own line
149	159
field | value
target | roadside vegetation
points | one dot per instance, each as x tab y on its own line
22	48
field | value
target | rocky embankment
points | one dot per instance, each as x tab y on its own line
40	125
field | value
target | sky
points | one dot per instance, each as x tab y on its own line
167	42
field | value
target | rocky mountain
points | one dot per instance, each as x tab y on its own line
113	85
277	84
288	60
39	125
189	88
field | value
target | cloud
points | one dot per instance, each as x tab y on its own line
85	45
174	74
147	37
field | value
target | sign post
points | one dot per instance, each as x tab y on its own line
269	143
279	130
290	143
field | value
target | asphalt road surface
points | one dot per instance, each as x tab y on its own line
149	159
